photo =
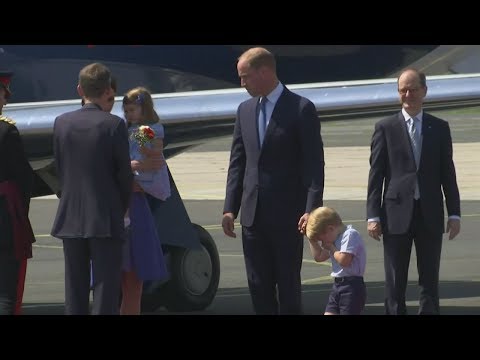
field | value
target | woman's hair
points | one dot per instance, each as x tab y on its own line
141	96
319	219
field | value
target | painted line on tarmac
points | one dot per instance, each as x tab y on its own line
227	293
317	263
43	283
47	246
318	280
33	306
206	227
237	225
219	227
304	260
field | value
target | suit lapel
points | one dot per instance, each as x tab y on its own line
402	129
251	127
427	128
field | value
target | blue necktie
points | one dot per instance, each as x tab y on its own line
262	124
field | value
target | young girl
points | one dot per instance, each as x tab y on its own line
143	256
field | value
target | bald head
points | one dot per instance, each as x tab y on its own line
412	89
413	74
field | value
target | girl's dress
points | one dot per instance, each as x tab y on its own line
156	183
142	251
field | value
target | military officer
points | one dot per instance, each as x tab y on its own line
16	235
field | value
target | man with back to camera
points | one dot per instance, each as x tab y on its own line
93	164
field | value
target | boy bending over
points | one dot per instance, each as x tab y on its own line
329	238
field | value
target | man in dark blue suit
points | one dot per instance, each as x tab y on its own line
276	177
93	164
410	165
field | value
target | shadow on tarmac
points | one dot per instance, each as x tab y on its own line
460	293
457	298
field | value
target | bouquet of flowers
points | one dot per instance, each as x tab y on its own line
143	135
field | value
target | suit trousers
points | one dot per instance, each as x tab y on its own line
273	255
106	257
9	276
397	250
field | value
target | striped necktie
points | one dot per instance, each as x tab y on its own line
416	140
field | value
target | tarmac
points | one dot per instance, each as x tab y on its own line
200	175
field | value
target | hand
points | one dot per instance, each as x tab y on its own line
329	246
152	163
146	151
136	187
228	225
302	223
453	228
374	230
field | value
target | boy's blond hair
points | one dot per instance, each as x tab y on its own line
319	219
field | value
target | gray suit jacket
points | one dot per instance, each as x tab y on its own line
93	164
393	170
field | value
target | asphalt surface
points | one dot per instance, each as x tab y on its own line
459	274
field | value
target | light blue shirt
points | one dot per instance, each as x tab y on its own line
419	116
272	101
350	241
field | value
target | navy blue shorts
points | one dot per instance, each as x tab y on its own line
348	296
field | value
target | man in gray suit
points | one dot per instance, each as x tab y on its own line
276	176
93	164
411	171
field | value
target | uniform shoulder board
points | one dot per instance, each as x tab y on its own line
7	120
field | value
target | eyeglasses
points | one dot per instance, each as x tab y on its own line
411	90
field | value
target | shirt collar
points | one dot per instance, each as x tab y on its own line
407	117
275	94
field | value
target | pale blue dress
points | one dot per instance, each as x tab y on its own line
156	183
142	251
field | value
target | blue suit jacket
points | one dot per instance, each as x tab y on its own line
93	166
286	175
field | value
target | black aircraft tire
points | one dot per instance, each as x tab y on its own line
195	275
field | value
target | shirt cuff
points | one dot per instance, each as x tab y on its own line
377	219
454	217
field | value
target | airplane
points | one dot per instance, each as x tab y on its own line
195	117
46	72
